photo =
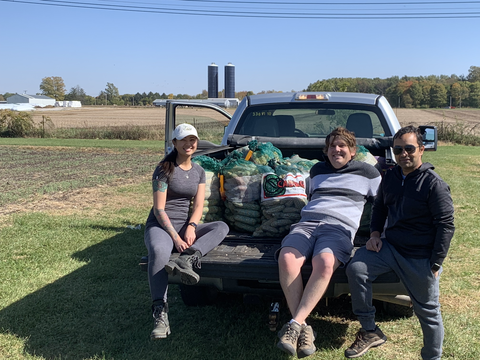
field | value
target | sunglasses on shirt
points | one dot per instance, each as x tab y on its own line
409	149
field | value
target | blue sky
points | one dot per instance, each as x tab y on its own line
142	52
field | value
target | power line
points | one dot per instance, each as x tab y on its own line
261	14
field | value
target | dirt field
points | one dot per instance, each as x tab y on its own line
117	116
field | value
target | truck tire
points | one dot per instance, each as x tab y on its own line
198	295
397	310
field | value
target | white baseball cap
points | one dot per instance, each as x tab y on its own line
184	130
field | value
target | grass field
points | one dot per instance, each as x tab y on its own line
71	287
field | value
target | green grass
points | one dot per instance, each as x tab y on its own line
71	287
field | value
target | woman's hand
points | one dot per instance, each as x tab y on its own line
181	245
190	235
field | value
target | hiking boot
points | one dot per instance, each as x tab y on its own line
162	327
184	265
364	341
288	336
306	347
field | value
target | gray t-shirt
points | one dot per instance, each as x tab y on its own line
182	187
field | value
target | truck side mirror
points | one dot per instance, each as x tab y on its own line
429	134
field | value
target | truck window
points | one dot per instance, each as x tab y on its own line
311	121
209	123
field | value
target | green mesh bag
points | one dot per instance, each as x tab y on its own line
365	156
263	152
208	163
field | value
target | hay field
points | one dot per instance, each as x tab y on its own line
91	116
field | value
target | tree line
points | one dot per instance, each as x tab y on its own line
408	92
413	91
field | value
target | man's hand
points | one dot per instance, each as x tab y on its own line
374	243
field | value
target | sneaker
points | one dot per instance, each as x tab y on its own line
288	336
184	265
162	327
364	341
306	347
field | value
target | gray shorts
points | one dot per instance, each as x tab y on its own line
311	238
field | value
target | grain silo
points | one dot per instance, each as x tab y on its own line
213	81
229	81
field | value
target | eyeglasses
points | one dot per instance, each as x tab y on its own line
409	149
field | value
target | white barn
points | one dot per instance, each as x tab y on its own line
34	100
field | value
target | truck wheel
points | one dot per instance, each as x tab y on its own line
198	295
397	310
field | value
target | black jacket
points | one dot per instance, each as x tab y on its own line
419	210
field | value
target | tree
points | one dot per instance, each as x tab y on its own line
473	74
112	93
438	96
416	94
102	98
474	96
53	87
76	93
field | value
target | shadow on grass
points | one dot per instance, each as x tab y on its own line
102	311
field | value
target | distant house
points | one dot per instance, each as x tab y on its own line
34	100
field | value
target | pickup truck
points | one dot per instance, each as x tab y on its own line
297	124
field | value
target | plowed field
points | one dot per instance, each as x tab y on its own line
117	116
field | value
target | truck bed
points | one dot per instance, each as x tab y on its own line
246	264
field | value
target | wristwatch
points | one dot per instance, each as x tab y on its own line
192	224
435	267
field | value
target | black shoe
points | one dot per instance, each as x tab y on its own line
288	336
184	265
162	327
364	341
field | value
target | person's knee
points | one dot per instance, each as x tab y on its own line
323	265
290	260
355	268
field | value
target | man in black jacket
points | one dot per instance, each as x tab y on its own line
416	240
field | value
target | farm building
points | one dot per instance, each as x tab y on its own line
34	100
65	103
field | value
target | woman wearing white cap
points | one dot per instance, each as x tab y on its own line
176	180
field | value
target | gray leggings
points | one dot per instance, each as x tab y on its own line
160	246
419	281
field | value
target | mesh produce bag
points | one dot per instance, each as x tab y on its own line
241	183
365	156
262	153
283	195
213	207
